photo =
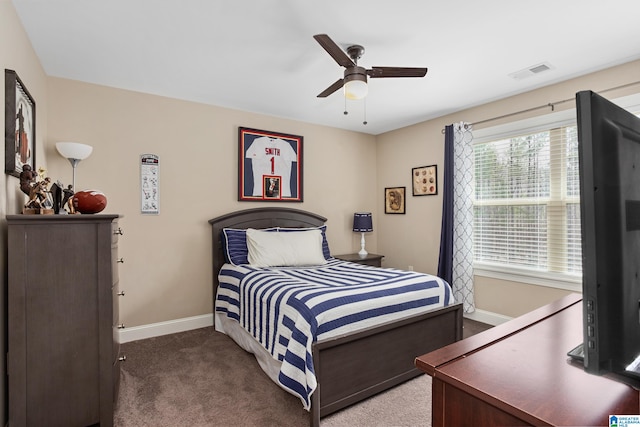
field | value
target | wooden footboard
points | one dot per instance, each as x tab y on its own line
351	368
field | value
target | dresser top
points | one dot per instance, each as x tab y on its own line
61	218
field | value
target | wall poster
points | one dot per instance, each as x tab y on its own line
149	190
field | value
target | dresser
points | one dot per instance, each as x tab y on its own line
63	348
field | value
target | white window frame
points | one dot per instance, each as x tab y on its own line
566	281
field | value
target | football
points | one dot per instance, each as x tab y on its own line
89	201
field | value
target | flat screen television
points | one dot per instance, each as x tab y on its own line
609	159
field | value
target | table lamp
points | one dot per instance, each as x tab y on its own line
74	151
362	223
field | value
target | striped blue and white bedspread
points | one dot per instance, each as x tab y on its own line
287	309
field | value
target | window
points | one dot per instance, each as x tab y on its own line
527	204
527	200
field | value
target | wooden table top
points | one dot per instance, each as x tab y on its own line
521	366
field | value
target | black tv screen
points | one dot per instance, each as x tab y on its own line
609	158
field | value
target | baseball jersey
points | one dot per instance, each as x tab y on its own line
271	156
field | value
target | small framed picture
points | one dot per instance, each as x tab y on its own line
394	198
271	187
425	180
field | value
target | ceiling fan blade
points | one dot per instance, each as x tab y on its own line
334	50
334	87
378	72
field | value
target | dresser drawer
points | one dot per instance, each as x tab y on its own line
116	322
373	260
116	231
115	265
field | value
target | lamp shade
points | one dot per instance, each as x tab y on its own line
74	150
355	83
355	89
362	222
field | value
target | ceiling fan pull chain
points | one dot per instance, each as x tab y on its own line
345	106
365	112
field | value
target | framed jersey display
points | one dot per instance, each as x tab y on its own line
269	166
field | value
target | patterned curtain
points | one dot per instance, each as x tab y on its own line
456	241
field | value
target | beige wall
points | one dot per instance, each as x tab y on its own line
16	54
413	239
167	270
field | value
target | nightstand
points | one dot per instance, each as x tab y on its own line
374	260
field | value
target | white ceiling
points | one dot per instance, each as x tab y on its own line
260	55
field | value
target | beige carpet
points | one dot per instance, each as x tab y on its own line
408	404
199	378
202	378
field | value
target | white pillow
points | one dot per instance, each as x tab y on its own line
268	249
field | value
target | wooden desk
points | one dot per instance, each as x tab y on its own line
518	374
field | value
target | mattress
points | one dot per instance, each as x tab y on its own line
287	309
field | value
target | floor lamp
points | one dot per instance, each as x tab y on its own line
74	152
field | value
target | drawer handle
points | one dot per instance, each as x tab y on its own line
120	294
122	358
118	231
121	326
120	260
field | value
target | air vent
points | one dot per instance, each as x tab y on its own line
531	71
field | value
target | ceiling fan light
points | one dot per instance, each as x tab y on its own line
355	89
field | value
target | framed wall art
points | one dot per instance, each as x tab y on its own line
425	180
269	166
394	200
19	126
149	184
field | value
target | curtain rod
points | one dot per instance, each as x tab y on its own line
551	105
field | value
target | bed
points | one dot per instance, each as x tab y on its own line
345	367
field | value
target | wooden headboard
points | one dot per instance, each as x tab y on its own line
256	218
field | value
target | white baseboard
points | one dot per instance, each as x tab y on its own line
136	333
487	317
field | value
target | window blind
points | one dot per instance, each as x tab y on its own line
526	207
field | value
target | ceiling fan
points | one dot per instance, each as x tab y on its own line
355	77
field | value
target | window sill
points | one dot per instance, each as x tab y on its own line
567	282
